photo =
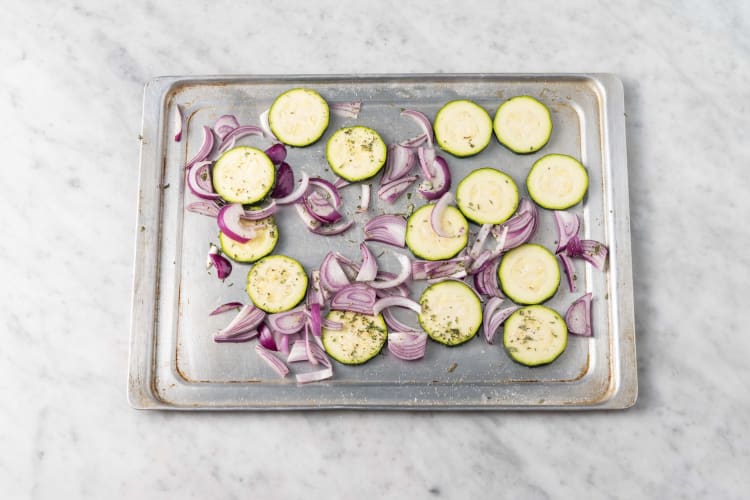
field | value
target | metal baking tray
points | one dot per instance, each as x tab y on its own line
174	364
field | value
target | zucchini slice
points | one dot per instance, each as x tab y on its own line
487	196
299	117
360	338
243	175
424	242
276	283
557	182
267	235
535	335
529	274
463	128
356	153
451	312
523	124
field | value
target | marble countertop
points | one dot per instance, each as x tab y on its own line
70	100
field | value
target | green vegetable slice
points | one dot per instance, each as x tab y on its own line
535	335
243	175
276	283
523	124
463	128
299	117
360	338
487	196
451	312
557	182
356	153
267	235
424	242
529	274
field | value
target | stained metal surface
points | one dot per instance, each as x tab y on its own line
174	364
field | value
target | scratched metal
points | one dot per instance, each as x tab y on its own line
174	364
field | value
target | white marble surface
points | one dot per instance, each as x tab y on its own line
71	78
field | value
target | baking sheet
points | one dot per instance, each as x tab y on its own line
174	363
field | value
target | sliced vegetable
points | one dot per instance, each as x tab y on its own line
225	124
535	335
529	274
578	316
570	271
346	109
567	224
208	208
487	196
276	153
485	281
399	162
451	312
222	265
593	252
177	123
225	307
243	175
463	128
288	322
298	192
369	268
394	280
206	147
407	345
523	124
423	122
232	226
404	302
299	117
199	181
275	363
557	182
521	227
276	283
355	298
428	269
321	209
356	153
393	190
243	131
263	243
364	202
425	243
494	317
332	275
390	229
243	326
439	182
360	339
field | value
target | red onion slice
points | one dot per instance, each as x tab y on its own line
328	189
433	269
346	109
394	324
494	318
369	268
440	182
301	352
340	183
364	201
414	142
260	213
358	298
408	346
390	229
567	227
331	325
399	162
298	193
578	316
225	307
485	281
238	133
404	302
276	153
393	190
224	125
320	208
423	122
325	230
593	252
288	322
332	275
263	119
231	225
243	325
436	216
206	147
315	294
426	159
476	248
400	278
221	263
177	123
266	338
275	363
570	272
521	227
316	320
209	208
199	181
284	181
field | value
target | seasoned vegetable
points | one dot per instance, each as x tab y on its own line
451	312
535	335
523	124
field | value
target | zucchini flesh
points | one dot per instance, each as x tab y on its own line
425	243
557	182
276	283
463	128
243	175
299	117
356	153
523	124
529	274
487	196
360	338
266	237
535	335
451	312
